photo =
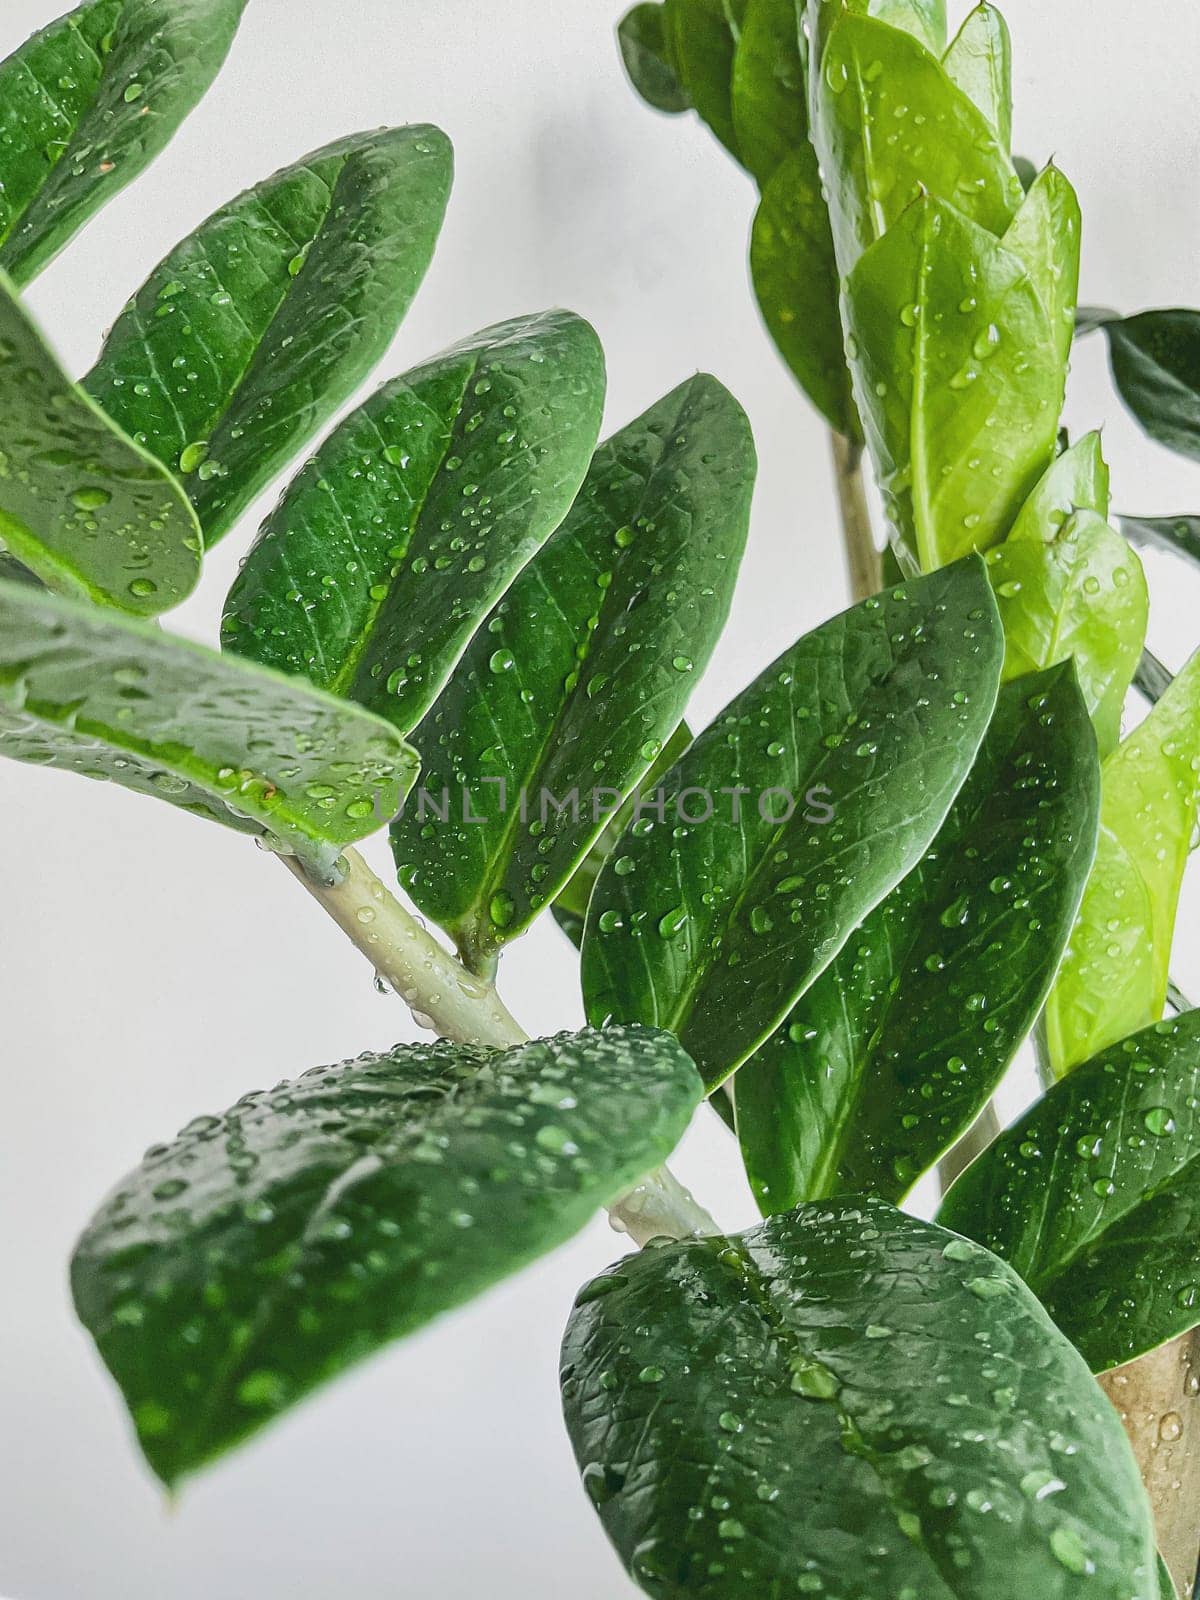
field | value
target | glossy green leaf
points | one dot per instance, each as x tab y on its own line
796	284
1045	234
1094	1196
876	77
1177	535
1155	361
899	1045
847	1401
1082	596
256	328
701	37
81	506
1166	1582
1077	481
94	693
947	332
642	36
980	62
581	675
790	818
87	103
924	19
570	908
769	101
266	1250
1114	977
392	545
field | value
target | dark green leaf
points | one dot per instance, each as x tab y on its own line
1114	976
1090	319
264	1251
803	805
259	325
701	36
1152	679
876	77
898	1046
796	283
769	103
570	908
980	63
1094	1196
644	50
1156	367
88	103
115	699
583	672
1082	596
82	506
393	544
1178	535
1166	1582
846	1401
1026	171
934	366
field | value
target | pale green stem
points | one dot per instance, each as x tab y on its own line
455	1004
863	561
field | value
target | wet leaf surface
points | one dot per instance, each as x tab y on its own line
846	1390
1094	1196
897	1047
265	1250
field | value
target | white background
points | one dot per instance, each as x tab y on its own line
155	967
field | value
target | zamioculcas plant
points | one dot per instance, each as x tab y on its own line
921	283
836	912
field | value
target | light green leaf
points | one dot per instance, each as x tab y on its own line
924	19
946	332
1077	481
980	63
643	40
701	36
259	325
769	104
582	673
1083	596
1094	1196
899	1045
796	284
395	541
87	104
266	1250
81	506
570	908
790	818
876	77
1045	234
1114	977
845	1400
116	699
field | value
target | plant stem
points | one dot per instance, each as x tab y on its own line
1158	1397
457	1005
441	994
863	561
